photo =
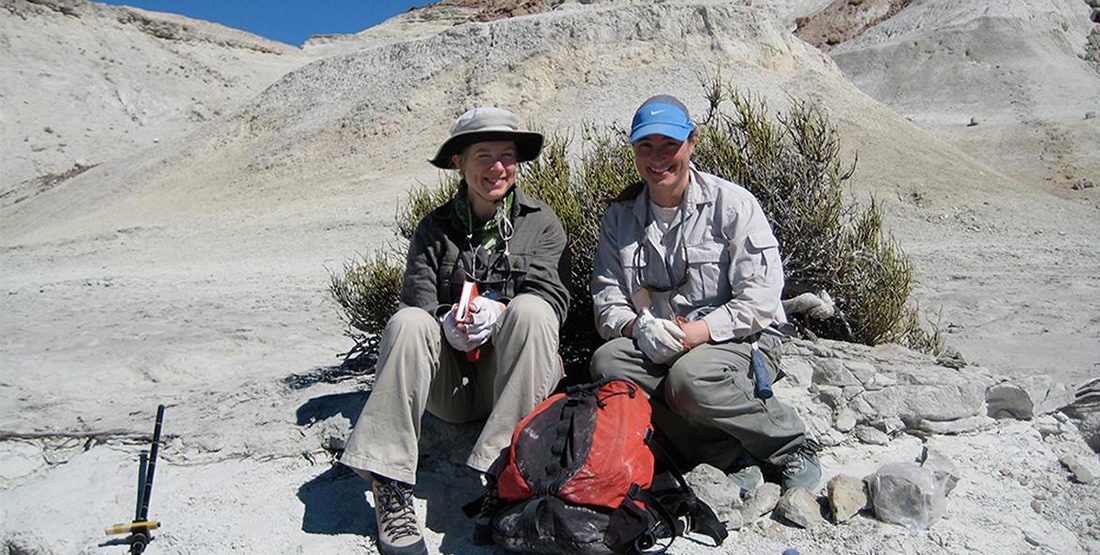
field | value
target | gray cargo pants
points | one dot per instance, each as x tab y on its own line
710	412
418	370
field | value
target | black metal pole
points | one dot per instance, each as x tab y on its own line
143	463
144	513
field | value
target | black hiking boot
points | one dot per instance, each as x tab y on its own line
398	532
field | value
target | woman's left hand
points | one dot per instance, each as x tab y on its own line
695	333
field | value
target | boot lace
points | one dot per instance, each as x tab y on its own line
796	462
398	518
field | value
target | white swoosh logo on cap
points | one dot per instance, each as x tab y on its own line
652	113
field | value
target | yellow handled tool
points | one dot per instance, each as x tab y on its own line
141	526
132	527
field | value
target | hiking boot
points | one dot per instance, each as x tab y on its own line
802	469
398	532
747	472
747	478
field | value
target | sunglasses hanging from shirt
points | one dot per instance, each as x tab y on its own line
641	259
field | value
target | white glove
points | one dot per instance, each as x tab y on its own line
456	337
485	313
661	340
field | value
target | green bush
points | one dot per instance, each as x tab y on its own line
791	163
793	166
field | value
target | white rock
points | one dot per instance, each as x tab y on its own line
845	420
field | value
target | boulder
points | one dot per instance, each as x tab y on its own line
845	420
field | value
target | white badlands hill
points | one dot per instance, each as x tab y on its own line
192	271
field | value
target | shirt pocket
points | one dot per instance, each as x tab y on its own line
764	250
704	263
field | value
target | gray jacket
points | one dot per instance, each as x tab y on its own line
441	257
729	253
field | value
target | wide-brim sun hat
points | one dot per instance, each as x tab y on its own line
661	115
487	123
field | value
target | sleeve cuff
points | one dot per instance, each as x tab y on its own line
720	324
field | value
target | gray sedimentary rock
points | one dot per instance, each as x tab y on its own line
931	393
833	372
845	420
760	502
799	507
1028	397
871	436
1085	412
1078	471
847	497
717	490
951	427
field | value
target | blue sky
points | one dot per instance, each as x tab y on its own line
289	21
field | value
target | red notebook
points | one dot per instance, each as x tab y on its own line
462	310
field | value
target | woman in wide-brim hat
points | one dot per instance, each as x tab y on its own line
485	145
497	363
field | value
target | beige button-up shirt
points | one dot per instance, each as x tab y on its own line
726	247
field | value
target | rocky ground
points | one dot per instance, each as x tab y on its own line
192	270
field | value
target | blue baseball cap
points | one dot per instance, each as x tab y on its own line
661	115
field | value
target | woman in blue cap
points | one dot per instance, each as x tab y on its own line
687	279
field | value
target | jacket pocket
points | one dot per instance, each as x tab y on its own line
449	282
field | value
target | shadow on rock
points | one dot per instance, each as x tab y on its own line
317	409
335	503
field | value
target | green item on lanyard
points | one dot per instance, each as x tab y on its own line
485	233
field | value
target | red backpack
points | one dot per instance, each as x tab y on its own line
579	478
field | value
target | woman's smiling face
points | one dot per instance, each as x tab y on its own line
664	164
489	168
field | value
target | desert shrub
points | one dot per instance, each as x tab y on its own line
792	164
790	161
367	291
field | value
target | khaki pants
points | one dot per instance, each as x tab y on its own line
418	370
705	404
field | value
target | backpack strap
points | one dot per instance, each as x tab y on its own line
633	529
682	501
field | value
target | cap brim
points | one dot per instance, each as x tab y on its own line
672	131
528	145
